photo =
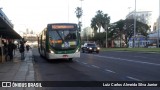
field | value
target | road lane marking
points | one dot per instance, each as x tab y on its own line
132	78
109	71
95	66
144	57
121	59
77	60
140	57
83	63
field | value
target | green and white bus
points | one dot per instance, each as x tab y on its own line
60	41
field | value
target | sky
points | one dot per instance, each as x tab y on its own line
36	14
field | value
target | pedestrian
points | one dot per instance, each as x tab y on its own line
10	50
27	47
14	48
5	49
21	50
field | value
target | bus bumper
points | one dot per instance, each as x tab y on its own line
63	56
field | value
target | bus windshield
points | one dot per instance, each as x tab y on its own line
63	39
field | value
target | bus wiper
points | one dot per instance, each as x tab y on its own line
60	36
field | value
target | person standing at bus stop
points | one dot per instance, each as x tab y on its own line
22	49
10	50
5	49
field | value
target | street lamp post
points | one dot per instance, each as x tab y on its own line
68	11
81	9
87	34
134	25
81	16
106	37
158	26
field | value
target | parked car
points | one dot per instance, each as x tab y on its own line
90	47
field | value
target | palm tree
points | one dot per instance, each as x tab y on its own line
79	15
105	24
105	21
94	26
100	20
120	30
97	20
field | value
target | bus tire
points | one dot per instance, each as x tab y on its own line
70	59
49	60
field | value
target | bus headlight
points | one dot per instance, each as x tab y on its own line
77	50
90	48
98	48
50	51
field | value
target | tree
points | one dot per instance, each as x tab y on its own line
105	24
94	26
99	38
78	12
79	15
100	20
105	21
141	28
119	29
126	27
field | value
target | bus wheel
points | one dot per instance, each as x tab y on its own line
70	59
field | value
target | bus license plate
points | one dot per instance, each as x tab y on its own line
65	56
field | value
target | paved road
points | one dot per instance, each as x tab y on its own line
105	66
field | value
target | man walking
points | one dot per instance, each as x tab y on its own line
10	50
22	49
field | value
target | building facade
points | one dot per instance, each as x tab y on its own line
87	33
141	16
156	25
144	17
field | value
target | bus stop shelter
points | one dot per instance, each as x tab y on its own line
6	27
7	31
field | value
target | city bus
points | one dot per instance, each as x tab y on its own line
60	41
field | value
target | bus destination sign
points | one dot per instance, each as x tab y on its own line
62	26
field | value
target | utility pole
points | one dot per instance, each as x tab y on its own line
106	37
134	26
68	11
158	26
81	18
82	12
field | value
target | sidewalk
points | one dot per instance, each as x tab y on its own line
18	70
